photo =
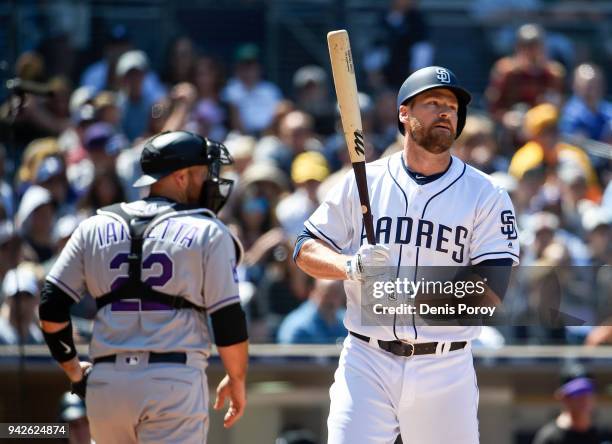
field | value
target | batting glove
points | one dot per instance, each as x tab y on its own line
369	262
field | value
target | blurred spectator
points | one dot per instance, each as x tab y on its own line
574	425
34	220
7	198
335	146
545	151
105	189
295	136
180	60
18	312
308	170
102	75
525	78
211	115
597	224
42	116
312	97
586	113
51	175
401	47
9	247
254	99
477	146
319	320
241	148
135	101
103	144
73	412
500	20
30	66
107	109
385	131
168	114
32	157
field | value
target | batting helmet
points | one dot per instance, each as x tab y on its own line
174	150
429	78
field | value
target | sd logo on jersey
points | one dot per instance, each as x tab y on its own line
508	225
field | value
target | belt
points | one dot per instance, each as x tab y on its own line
154	358
408	349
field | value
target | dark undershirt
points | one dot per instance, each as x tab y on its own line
421	179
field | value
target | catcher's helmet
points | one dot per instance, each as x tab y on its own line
174	150
429	78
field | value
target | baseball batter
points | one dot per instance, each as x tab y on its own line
429	209
157	268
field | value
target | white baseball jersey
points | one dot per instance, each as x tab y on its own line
461	218
186	254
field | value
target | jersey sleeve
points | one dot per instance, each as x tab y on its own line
333	221
68	271
495	235
220	274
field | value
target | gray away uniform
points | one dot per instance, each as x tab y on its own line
190	254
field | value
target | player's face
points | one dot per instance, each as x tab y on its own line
432	119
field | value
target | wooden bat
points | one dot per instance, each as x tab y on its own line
348	102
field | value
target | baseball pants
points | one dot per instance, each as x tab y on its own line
147	403
428	399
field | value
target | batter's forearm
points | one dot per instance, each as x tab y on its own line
320	261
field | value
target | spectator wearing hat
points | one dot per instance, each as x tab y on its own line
574	425
107	109
32	156
51	175
103	144
102	75
34	220
526	78
18	311
135	101
319	320
545	151
308	170
587	113
73	412
253	99
311	90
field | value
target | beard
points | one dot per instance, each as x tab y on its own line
433	139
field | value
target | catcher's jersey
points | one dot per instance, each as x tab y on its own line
461	218
186	254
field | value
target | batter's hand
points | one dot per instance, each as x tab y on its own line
370	261
236	391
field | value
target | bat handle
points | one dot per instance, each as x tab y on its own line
364	199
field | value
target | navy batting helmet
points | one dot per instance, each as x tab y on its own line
429	78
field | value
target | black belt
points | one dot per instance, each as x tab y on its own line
407	349
154	358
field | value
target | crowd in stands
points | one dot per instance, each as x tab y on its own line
79	148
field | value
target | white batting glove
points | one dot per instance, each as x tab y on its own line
369	261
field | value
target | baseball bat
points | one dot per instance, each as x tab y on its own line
346	91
